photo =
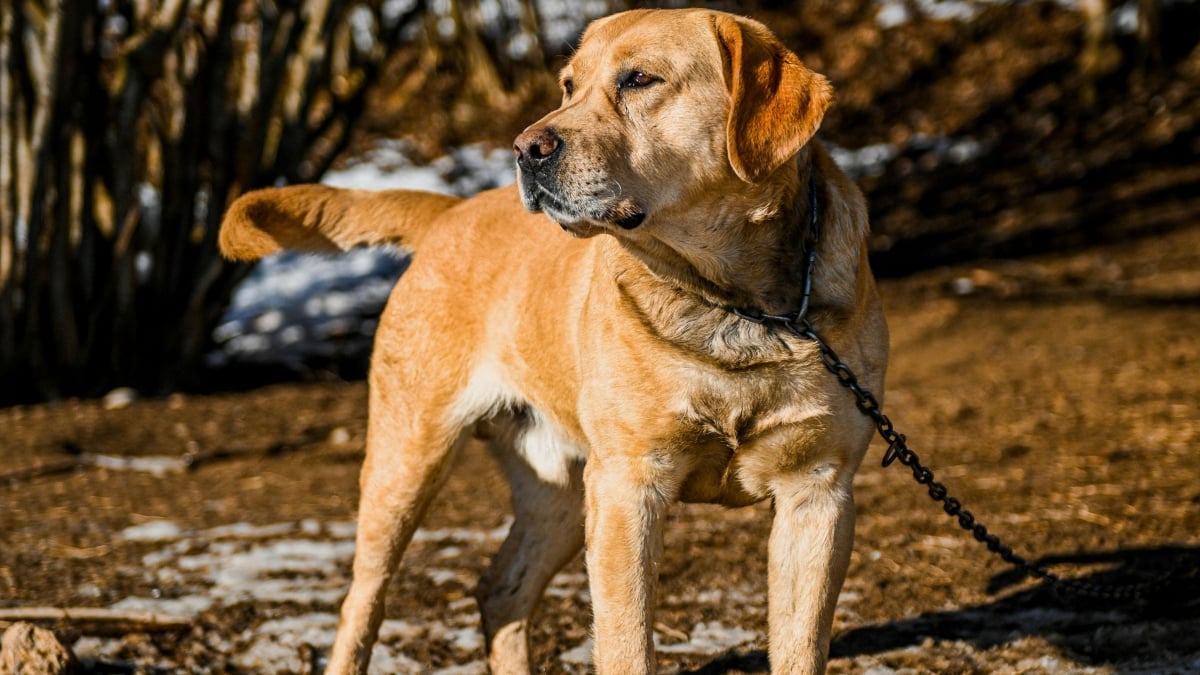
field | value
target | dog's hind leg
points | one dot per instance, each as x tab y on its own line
547	532
409	453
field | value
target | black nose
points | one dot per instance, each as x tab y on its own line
536	147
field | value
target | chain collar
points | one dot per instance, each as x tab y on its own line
796	320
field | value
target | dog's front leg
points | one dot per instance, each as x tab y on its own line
625	512
809	550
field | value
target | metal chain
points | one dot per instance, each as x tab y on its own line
798	323
898	450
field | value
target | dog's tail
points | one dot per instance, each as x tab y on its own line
324	219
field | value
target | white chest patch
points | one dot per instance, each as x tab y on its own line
549	452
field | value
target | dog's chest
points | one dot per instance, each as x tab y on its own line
740	407
733	428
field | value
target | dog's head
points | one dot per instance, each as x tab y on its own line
662	106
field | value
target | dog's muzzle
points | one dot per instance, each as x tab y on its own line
539	151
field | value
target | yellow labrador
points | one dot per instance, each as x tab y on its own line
607	369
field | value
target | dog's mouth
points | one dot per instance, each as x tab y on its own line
583	216
631	221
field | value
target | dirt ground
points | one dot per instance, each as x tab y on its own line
1056	394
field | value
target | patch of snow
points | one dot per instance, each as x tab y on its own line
562	22
397	630
464	604
21	234
386	661
292	570
950	10
458	534
232	563
267	655
392	10
464	171
1124	19
1044	664
580	655
143	264
369	176
450	552
740	595
268	321
90	648
441	577
520	46
341	529
150	204
246	531
709	638
186	606
892	14
276	646
155	530
362	28
869	160
567	585
874	160
314	628
155	465
464	639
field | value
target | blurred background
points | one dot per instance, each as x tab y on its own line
977	129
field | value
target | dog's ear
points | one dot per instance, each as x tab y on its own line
323	219
776	104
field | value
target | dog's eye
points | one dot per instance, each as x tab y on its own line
568	87
637	78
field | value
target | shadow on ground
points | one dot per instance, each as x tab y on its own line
1161	621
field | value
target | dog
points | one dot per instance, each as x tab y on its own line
606	366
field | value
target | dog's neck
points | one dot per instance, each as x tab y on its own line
751	253
685	293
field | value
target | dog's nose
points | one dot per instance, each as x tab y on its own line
536	146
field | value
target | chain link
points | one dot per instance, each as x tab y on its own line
898	450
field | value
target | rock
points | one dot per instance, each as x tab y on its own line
119	398
27	649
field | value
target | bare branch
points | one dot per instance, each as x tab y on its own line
98	621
